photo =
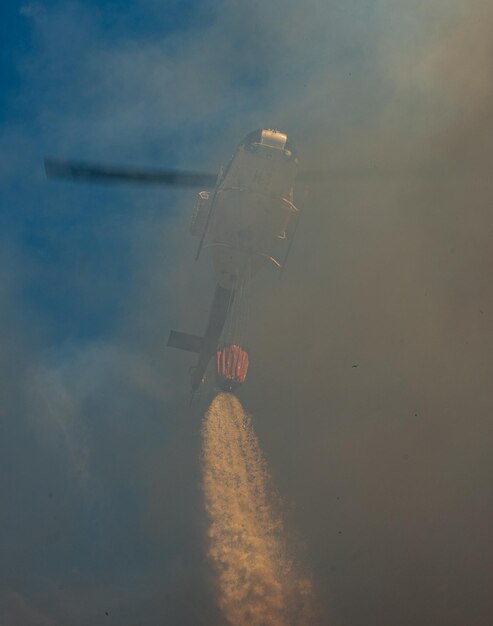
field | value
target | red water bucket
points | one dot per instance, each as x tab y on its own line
232	366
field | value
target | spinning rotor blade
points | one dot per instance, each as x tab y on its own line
370	172
77	171
322	176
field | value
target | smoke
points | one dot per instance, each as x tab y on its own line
257	579
388	463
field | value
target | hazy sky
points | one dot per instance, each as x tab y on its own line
385	467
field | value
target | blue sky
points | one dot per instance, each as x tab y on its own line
33	95
100	454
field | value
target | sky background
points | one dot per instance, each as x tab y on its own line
385	468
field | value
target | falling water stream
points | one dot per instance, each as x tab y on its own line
257	582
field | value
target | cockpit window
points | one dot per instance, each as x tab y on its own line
252	138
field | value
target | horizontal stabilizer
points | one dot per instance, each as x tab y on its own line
184	341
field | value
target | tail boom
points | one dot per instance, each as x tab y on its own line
205	346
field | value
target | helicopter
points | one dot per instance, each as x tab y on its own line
245	216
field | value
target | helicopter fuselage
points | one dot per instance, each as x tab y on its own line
246	220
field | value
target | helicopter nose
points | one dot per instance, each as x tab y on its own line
273	139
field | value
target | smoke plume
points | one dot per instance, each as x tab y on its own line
258	583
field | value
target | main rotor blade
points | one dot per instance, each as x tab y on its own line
362	172
90	172
322	176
